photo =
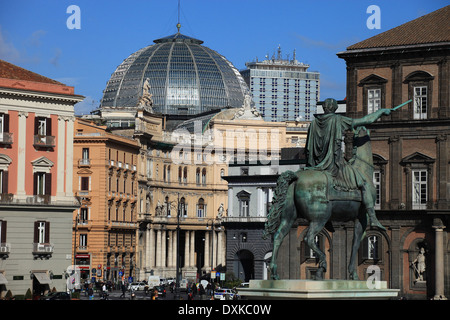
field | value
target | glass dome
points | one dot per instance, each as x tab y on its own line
185	77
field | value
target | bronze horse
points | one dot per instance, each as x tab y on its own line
309	194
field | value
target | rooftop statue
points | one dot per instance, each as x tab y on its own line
145	100
330	188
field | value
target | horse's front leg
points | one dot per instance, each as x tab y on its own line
358	235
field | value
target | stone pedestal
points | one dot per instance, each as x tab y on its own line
312	289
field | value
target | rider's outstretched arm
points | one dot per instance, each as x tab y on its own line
370	118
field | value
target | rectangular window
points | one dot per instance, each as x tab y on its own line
420	102
244	207
373	100
42	232
3	181
419	189
84	183
42	183
84	215
2	231
377	184
83	241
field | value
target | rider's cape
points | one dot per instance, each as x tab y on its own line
324	150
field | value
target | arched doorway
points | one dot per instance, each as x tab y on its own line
244	265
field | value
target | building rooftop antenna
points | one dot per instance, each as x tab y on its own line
178	24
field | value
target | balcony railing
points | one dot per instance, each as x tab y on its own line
84	162
5	248
6	197
43	248
44	141
6	138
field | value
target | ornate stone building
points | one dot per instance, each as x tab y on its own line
411	158
36	194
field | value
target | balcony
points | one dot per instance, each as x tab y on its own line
6	197
5	249
41	141
84	163
39	199
42	250
6	138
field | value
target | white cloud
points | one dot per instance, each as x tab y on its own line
7	50
55	59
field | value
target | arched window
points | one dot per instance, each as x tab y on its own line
197	176
167	207
201	208
204	176
183	207
185	175
180	174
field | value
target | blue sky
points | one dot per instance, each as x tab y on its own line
34	34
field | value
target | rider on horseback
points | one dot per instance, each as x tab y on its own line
324	152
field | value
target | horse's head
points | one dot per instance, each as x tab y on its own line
361	137
362	150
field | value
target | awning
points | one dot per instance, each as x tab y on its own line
42	277
3	279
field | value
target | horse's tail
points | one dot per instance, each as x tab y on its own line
278	202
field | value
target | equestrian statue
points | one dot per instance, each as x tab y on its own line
329	188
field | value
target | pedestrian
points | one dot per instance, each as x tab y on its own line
90	292
201	291
124	290
105	292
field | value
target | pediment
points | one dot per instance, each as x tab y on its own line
42	162
372	79
84	171
243	194
418	76
5	159
417	157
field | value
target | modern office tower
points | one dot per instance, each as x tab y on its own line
283	89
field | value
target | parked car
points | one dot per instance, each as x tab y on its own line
224	294
138	286
56	296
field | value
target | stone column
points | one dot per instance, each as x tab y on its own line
186	249
174	251
207	266
151	248
220	248
21	147
439	260
61	155
69	159
163	248
170	248
192	250
230	202
158	248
